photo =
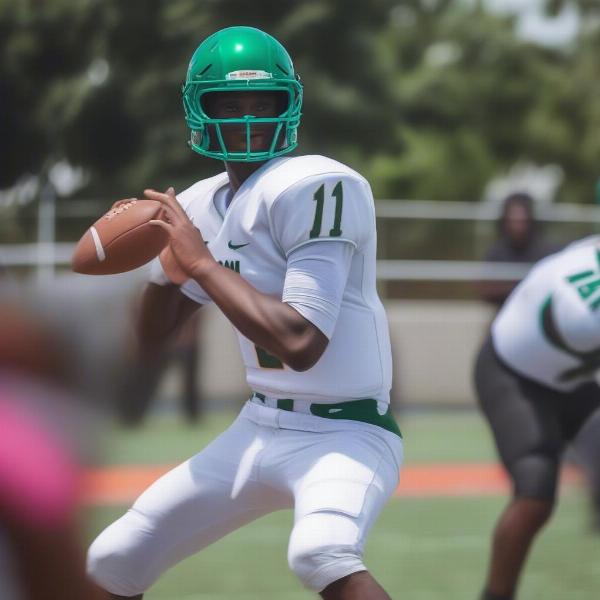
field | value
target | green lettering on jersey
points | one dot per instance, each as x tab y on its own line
266	360
338	194
319	198
234	265
587	289
587	284
575	278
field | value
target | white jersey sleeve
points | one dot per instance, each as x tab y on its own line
324	207
157	273
190	288
315	281
194	291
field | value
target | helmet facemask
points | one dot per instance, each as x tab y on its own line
207	132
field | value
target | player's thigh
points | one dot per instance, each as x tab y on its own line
523	416
191	506
580	408
525	421
347	479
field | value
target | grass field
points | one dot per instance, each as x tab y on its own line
424	548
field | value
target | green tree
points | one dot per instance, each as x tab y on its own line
428	98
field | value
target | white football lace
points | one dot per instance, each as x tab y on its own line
99	249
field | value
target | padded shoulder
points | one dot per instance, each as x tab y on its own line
199	194
319	200
285	173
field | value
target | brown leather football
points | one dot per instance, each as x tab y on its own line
121	240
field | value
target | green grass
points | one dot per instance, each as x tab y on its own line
420	549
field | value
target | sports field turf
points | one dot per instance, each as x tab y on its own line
422	548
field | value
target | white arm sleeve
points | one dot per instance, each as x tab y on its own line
190	288
157	274
315	281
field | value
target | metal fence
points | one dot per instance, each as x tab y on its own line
398	262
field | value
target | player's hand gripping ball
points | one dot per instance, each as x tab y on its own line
121	240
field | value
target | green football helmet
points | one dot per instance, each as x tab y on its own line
241	59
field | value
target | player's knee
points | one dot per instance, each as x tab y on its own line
319	558
114	564
535	476
102	565
318	567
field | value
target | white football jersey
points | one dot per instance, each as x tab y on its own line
549	327
287	203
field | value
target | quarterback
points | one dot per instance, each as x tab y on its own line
536	381
285	247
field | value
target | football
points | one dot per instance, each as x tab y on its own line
121	240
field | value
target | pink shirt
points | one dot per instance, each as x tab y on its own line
38	477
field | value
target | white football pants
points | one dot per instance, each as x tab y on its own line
336	474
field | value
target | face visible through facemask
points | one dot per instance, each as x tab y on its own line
237	105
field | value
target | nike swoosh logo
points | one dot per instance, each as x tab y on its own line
335	410
236	246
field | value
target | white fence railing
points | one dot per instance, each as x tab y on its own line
45	256
480	211
48	255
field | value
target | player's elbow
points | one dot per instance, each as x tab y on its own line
306	352
301	362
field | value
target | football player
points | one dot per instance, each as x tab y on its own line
285	247
535	379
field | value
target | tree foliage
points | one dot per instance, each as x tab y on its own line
428	98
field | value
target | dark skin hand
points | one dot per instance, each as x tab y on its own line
265	320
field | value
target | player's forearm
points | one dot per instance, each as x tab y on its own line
162	311
263	319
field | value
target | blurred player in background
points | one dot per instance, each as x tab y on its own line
535	379
286	248
41	557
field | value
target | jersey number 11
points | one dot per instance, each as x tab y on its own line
319	198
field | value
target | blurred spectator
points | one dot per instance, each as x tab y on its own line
143	379
520	240
40	553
